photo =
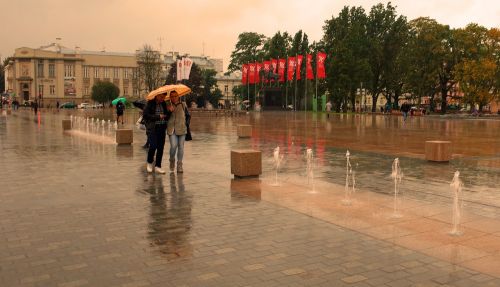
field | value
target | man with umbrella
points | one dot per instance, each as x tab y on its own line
120	108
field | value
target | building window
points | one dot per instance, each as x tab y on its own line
40	90
125	91
86	72
116	73
136	92
125	73
69	70
135	73
40	69
86	91
52	70
52	90
96	72
106	72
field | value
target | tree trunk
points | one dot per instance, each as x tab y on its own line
444	93
374	102
431	103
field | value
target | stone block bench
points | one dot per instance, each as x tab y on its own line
124	136
244	131
439	151
246	163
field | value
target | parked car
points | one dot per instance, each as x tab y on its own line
97	106
84	106
67	105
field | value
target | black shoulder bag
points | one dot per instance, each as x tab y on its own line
188	121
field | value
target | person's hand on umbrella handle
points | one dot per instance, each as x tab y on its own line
170	108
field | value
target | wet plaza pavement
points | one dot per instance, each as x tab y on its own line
77	210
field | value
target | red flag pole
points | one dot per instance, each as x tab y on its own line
305	82
295	90
248	88
286	85
316	93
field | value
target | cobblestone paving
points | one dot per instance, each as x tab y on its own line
75	212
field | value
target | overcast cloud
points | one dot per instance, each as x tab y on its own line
192	26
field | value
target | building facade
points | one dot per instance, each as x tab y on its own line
55	73
226	83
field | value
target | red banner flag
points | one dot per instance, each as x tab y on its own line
244	74
281	69
320	65
291	68
258	68
274	66
309	68
251	73
299	66
267	68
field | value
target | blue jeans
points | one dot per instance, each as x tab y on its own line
176	145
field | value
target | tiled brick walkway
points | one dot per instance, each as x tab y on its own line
76	212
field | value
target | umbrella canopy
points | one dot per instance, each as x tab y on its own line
181	90
120	99
140	104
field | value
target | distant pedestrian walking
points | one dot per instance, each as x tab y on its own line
35	107
405	108
120	107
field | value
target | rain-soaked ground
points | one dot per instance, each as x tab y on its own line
75	209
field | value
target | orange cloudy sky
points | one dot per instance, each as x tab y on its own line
125	25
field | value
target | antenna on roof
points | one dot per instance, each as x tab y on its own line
160	39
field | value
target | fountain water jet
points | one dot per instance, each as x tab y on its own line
456	185
397	176
309	168
349	179
277	162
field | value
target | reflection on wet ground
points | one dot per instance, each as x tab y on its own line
80	211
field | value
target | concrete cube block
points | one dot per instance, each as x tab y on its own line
244	131
439	151
9	111
246	163
66	125
124	136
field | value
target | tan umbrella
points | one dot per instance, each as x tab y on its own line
181	90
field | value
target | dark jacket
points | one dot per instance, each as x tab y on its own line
120	107
149	113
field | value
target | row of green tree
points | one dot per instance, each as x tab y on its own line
388	56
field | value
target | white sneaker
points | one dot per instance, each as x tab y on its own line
149	167
159	170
